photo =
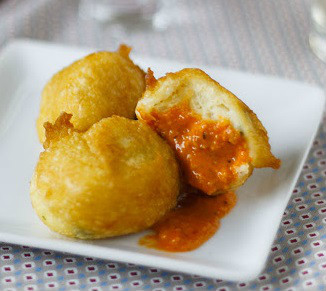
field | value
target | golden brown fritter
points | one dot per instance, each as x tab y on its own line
97	86
218	139
116	178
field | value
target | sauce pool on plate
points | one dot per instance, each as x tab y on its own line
191	223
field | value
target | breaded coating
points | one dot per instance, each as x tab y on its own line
118	177
218	139
97	86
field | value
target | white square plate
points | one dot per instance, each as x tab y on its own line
290	111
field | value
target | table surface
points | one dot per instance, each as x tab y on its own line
259	36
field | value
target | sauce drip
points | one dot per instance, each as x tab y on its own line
191	223
210	152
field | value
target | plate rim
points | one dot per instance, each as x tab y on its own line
206	271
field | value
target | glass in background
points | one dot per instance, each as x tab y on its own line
129	14
317	38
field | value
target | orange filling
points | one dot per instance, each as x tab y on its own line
209	152
191	223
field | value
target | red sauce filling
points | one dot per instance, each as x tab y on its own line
209	152
191	223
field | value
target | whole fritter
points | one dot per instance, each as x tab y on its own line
118	177
97	86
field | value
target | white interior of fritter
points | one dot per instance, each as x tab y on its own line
208	101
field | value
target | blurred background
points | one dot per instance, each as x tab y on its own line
269	37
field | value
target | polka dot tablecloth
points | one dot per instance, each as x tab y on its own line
260	36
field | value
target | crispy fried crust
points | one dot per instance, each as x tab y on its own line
61	128
97	86
212	102
118	177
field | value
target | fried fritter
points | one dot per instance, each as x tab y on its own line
217	138
97	86
116	178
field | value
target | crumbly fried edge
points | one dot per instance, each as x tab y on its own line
61	128
254	132
124	50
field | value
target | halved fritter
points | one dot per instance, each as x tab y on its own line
218	139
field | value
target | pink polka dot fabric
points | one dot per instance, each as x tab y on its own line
259	36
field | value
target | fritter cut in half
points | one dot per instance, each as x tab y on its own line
97	86
217	138
116	178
